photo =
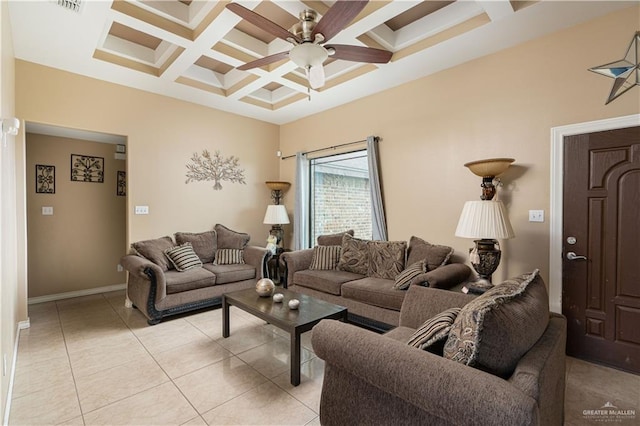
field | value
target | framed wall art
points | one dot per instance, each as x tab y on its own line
85	168
121	184
45	179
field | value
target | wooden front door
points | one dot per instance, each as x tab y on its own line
601	247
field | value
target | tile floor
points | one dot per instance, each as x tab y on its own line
91	361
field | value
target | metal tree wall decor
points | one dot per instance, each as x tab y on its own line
45	179
216	168
625	72
85	168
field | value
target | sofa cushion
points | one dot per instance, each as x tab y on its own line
333	239
203	243
229	257
192	279
355	255
325	257
404	279
230	239
154	251
493	331
324	281
231	273
433	333
183	257
374	291
434	255
386	258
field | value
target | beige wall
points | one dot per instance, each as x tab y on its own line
502	105
162	135
80	245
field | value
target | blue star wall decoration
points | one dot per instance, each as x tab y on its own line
625	72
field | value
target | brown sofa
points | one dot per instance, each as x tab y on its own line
515	375
364	275
197	270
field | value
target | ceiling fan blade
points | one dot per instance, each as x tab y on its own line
262	22
315	75
264	61
359	54
337	17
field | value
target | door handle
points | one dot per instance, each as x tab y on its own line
572	256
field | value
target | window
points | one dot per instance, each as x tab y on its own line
340	197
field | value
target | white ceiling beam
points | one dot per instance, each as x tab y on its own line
440	20
496	9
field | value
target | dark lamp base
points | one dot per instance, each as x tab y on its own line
488	257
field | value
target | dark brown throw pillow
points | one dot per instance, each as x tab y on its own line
154	251
432	334
333	239
230	239
386	258
355	255
433	255
493	331
203	243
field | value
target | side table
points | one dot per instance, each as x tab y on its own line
274	269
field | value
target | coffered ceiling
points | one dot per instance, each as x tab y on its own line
189	49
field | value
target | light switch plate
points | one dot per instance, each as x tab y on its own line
536	215
142	210
47	211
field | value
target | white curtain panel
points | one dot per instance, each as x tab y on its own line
301	207
378	221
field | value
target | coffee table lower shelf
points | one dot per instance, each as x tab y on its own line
295	322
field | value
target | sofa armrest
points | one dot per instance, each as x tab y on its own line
448	392
140	268
257	257
294	261
422	303
445	276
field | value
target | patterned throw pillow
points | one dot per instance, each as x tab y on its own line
404	278
432	335
355	255
493	331
325	257
434	255
386	258
183	257
229	257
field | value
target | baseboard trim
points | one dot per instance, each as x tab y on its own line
7	408
77	293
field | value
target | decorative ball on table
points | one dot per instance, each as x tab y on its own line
278	297
265	287
294	303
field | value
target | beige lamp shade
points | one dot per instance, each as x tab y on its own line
491	167
484	220
276	214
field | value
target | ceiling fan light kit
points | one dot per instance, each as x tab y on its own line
308	35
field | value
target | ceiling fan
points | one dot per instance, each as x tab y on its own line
308	37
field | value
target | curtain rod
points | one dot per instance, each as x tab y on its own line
328	148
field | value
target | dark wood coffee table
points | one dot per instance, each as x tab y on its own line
310	312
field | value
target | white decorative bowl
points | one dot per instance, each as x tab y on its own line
265	287
294	303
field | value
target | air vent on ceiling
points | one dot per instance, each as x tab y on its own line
73	5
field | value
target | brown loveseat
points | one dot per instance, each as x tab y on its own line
506	368
167	278
363	275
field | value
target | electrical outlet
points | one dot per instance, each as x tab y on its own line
536	215
142	210
47	211
119	268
